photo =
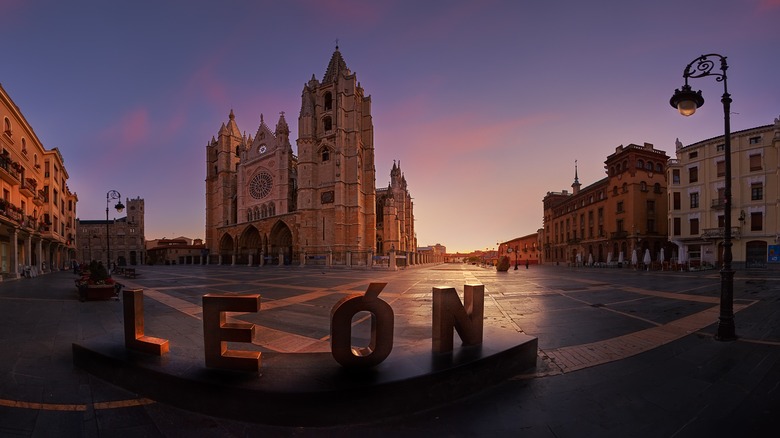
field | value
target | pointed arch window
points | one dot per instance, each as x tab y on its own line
328	101
264	211
271	209
325	154
327	124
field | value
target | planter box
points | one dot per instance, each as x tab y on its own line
96	292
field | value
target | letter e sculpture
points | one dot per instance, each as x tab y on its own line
217	333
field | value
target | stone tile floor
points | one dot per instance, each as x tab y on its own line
621	352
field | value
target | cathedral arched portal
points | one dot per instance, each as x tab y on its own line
249	243
226	245
281	243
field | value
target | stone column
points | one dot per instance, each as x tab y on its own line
13	260
349	259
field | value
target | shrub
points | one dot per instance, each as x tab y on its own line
503	264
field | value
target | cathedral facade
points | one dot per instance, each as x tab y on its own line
267	205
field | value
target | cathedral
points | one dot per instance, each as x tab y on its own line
267	205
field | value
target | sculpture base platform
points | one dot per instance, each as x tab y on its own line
312	389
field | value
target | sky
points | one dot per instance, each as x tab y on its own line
486	104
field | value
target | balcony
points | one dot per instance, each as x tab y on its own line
618	235
29	188
717	233
718	204
8	171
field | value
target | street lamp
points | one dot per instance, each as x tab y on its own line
687	101
111	194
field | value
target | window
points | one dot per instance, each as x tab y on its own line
327	124
721	196
693	174
721	221
328	101
657	188
755	162
625	188
615	191
721	147
640	164
721	168
695	200
649	166
650	225
694	225
676	226
650	207
7	126
325	155
693	154
620	207
756	221
620	225
643	186
757	191
659	168
755	140
675	176
676	204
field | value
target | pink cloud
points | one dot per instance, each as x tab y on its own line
130	130
768	5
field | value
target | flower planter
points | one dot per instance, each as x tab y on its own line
98	292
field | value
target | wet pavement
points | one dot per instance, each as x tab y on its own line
621	352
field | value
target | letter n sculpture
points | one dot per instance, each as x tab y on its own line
449	313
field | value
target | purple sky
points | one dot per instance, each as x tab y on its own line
486	103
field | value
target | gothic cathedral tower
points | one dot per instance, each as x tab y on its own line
221	169
336	173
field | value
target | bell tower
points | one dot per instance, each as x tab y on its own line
336	176
222	157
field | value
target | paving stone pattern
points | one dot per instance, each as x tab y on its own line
621	352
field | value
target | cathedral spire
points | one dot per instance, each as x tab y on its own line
335	67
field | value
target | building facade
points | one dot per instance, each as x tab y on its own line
127	244
178	251
697	199
614	218
37	209
267	205
521	250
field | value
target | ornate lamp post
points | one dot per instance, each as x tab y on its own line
111	194
687	101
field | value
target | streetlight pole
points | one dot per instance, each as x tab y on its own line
111	194
687	101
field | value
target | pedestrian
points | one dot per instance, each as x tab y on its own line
526	263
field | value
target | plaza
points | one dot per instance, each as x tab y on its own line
621	352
